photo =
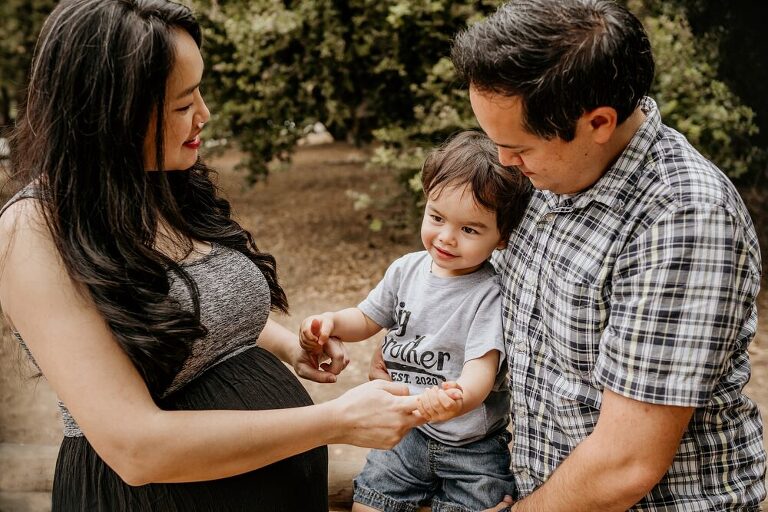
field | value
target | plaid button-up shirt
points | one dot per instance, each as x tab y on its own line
644	284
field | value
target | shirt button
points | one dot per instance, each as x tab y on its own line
549	217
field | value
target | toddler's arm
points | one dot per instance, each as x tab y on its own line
468	392
349	324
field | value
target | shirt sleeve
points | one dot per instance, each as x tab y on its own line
380	305
681	292
486	332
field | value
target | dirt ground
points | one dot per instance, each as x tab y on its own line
327	258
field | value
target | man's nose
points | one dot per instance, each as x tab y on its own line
508	158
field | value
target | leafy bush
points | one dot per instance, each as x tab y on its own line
373	70
20	23
690	97
355	65
693	101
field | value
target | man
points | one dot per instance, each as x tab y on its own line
629	289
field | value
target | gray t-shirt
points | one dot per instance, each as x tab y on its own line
436	324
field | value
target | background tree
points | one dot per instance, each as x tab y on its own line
691	97
354	65
20	23
739	31
373	70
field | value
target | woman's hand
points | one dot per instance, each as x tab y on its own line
376	414
322	366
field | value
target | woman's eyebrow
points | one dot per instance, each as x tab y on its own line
188	91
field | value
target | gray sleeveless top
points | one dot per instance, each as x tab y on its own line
234	307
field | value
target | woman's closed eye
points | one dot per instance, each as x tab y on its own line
184	109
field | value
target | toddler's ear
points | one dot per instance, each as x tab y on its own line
502	244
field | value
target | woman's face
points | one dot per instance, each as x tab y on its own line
185	111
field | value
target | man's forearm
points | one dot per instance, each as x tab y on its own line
594	477
627	454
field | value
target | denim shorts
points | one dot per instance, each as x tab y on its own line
420	470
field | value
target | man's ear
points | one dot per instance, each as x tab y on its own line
602	123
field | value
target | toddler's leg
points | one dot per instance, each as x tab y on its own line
475	476
396	480
359	507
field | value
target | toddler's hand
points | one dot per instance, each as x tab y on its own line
441	404
315	331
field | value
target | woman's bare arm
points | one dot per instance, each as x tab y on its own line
80	358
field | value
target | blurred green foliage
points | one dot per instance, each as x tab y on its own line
20	23
691	97
277	67
373	70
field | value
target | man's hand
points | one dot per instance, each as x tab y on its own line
441	404
504	505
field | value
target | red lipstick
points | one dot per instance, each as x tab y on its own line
194	143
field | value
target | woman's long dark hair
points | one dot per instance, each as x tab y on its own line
99	71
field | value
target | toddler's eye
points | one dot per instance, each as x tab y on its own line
436	218
469	230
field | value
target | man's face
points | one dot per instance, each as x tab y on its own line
555	165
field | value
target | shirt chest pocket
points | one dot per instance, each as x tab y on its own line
573	409
574	312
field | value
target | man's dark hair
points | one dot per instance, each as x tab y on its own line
563	58
471	158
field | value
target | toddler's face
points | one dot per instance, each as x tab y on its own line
458	233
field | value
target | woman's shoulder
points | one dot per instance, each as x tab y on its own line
21	212
23	231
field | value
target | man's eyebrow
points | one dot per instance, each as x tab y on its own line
188	91
513	147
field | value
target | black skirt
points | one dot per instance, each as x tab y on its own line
255	380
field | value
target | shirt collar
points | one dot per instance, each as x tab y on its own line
619	180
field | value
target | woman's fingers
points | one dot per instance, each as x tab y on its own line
338	354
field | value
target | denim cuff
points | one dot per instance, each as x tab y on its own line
379	501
